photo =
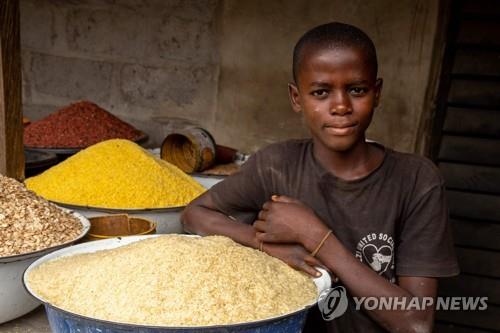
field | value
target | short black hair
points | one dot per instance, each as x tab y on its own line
334	35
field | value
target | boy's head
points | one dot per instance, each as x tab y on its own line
334	35
336	87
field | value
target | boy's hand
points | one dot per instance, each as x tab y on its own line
286	220
295	256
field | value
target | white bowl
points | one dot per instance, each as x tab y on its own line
14	300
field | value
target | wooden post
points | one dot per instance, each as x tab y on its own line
11	123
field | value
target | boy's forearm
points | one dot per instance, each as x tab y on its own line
361	281
205	221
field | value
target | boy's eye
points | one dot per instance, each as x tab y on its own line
358	91
320	93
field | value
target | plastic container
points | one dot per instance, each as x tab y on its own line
120	225
191	150
62	321
14	300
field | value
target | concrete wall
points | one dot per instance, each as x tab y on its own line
222	64
137	59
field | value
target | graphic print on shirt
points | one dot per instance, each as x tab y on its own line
377	250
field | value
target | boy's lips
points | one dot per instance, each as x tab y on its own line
341	128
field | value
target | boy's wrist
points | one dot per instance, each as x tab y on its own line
313	235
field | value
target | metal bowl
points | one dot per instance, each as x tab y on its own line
14	300
73	150
168	220
62	321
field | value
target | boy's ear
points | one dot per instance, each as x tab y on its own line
378	90
293	93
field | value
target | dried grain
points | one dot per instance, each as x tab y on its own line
29	223
175	280
116	174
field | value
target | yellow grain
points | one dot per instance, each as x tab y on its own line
116	174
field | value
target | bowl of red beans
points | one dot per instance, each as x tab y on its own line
77	126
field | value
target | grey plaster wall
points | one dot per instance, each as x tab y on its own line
222	64
138	59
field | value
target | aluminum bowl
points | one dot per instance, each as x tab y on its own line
168	220
14	300
62	321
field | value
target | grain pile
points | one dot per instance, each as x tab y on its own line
174	280
78	125
116	174
29	223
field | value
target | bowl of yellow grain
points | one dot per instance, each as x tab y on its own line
119	177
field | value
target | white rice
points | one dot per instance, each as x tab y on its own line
174	280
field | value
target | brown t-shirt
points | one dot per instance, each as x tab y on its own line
395	220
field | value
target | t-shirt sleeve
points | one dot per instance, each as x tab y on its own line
242	195
425	246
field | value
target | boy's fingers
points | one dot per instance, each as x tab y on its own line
260	225
267	205
259	235
310	260
267	238
262	215
283	198
309	269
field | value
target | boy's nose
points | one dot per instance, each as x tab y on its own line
340	110
340	104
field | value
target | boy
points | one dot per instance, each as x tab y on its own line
376	218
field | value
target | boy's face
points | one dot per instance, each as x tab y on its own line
337	92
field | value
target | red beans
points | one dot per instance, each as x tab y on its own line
78	125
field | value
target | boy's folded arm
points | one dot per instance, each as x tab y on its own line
203	218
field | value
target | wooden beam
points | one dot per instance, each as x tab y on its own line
11	127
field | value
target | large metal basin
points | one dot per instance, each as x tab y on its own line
62	321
